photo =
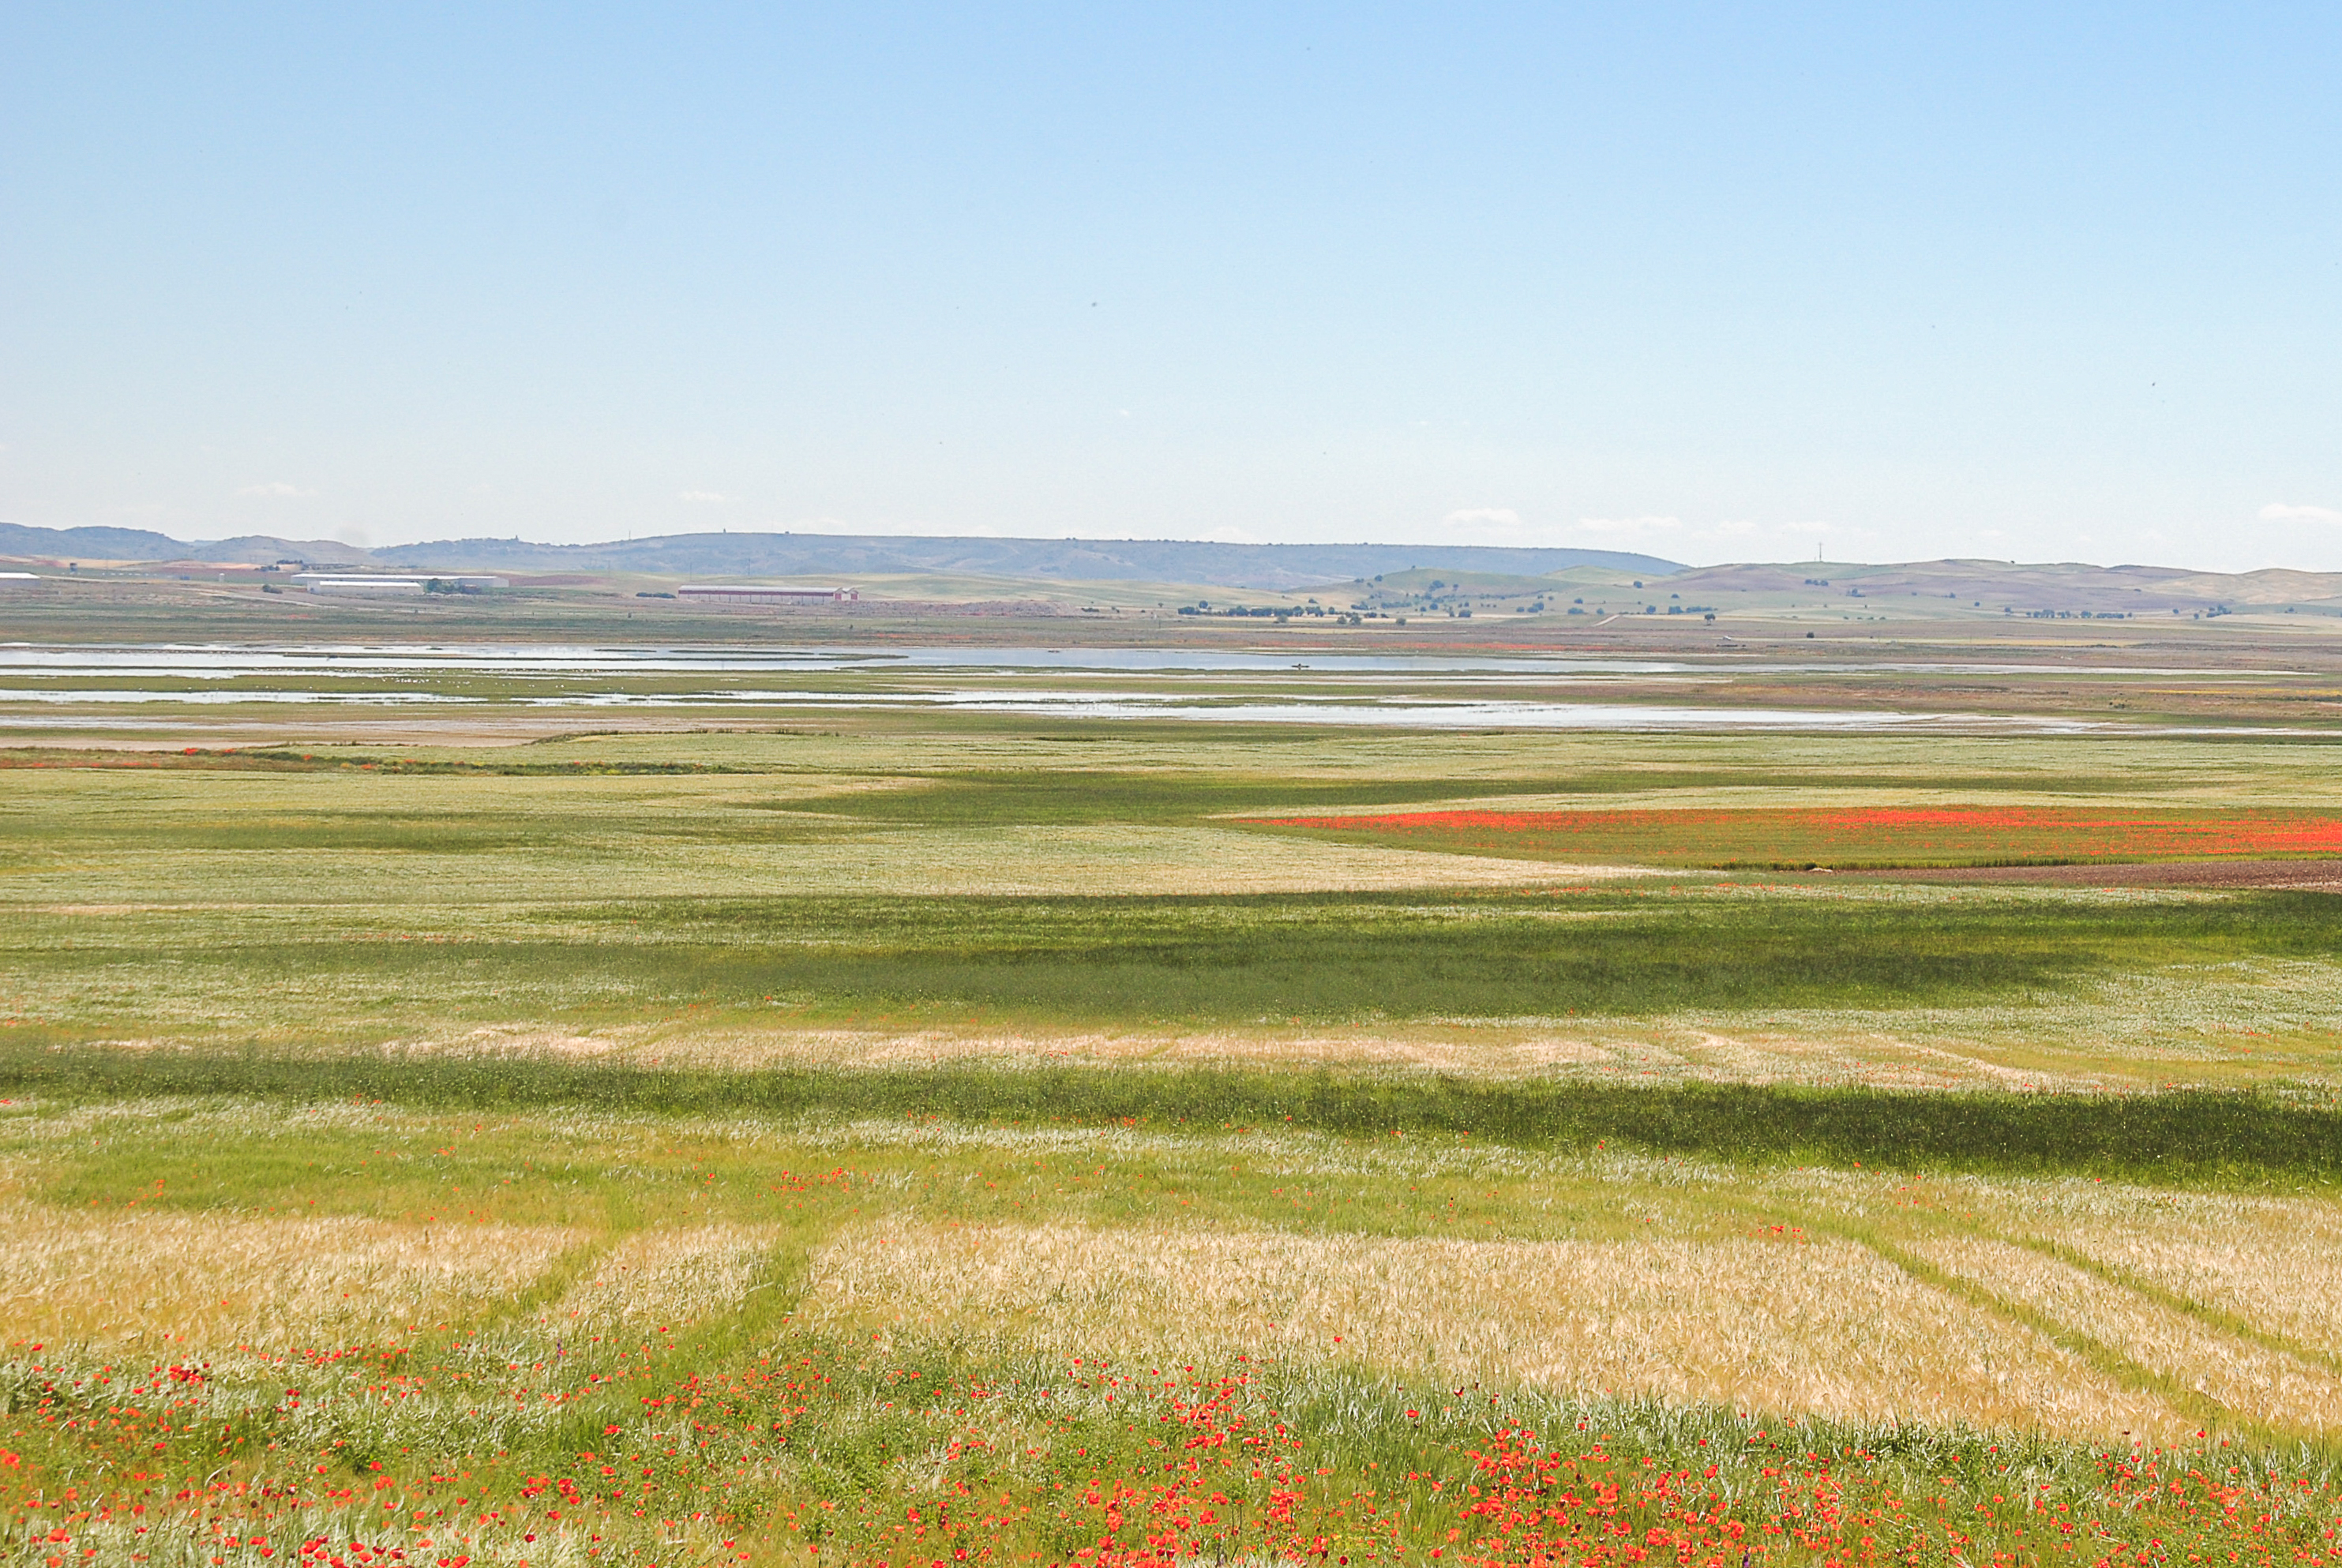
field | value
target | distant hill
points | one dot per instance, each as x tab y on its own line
2006	584
139	545
1992	586
1055	560
805	555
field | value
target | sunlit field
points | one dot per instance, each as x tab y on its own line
242	1327
971	1137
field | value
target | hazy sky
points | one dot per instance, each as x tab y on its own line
1728	282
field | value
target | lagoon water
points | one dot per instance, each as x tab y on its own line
1158	683
216	662
220	662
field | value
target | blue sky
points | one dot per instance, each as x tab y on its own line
1714	282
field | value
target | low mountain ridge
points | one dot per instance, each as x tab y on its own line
142	546
2019	587
1265	566
1599	579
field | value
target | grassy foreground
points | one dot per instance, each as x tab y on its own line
885	1145
277	1332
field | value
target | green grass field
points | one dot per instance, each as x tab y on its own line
241	976
918	1137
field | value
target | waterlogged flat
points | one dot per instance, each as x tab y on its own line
216	661
64	688
236	661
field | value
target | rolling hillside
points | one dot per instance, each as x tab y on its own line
1393	577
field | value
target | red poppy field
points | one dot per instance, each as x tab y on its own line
794	1459
1852	837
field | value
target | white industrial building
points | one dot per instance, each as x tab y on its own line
761	593
378	584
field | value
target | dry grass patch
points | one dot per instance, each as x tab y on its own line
2276	1262
622	858
1833	1051
2260	1385
1508	1048
212	1281
1041	862
664	1279
1830	1329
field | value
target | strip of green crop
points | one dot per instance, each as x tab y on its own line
2220	1139
1235	960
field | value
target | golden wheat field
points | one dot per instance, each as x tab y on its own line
2079	1310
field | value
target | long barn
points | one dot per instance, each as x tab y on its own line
759	594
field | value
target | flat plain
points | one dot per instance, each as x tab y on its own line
1044	1093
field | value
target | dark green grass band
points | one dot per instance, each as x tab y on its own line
1238	960
2222	1139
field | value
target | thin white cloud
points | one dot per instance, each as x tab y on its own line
899	527
1734	538
1745	539
275	489
2278	512
1486	525
703	495
1630	527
